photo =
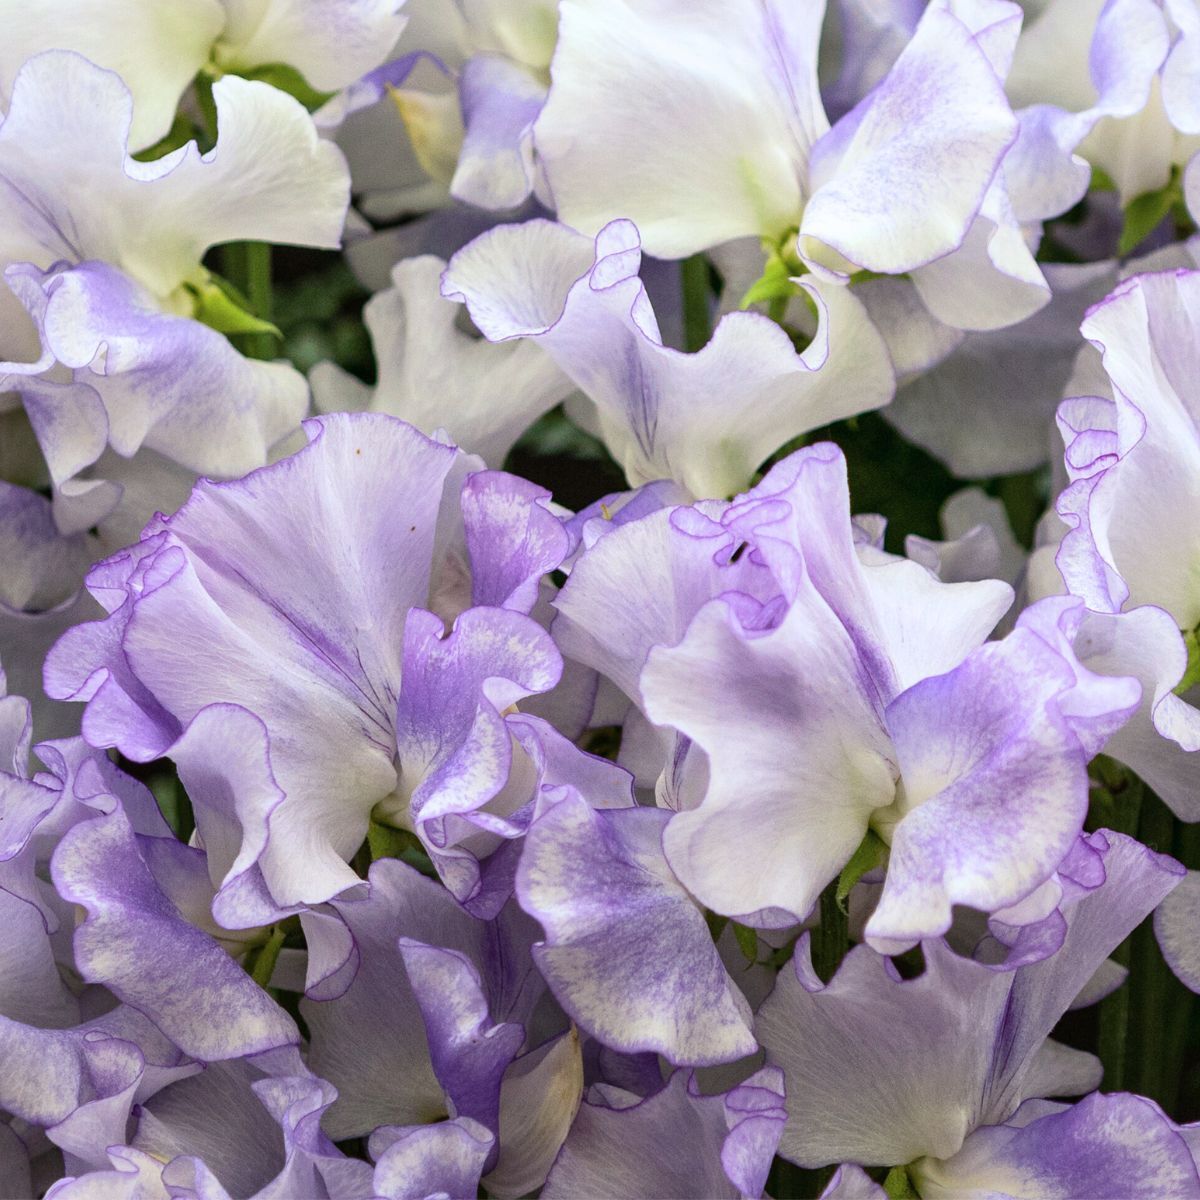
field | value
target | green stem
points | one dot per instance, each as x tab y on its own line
1121	812
697	325
831	938
263	966
1150	992
247	265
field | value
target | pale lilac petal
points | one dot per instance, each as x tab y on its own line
627	952
332	45
429	1160
512	539
539	1097
469	1052
368	1032
270	177
674	1143
201	626
852	1183
500	100
135	942
436	376
166	382
894	190
988	408
156	51
1103	1146
995	787
774	828
706	419
1177	926
966	1042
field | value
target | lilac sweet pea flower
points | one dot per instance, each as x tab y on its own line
1115	82
1133	520
418	1010
104	252
470	81
676	1142
884	1071
969	760
705	420
302	696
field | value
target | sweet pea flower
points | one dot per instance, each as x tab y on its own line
705	420
704	123
968	759
304	697
945	1071
1114	81
159	49
104	252
1131	516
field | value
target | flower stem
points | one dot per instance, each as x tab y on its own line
697	326
247	265
831	938
1121	811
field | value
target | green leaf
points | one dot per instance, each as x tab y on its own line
1144	213
1191	674
221	307
899	1186
872	852
747	940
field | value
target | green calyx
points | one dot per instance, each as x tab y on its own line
872	852
774	287
898	1184
1191	674
220	306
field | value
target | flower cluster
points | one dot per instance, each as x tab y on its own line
484	747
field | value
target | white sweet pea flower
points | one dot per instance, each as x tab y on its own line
158	48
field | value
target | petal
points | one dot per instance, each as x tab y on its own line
882	1070
894	192
998	781
435	376
988	407
270	177
1177	926
167	382
135	942
331	46
674	1143
775	826
1104	1145
693	120
156	52
426	1160
706	419
627	952
500	100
